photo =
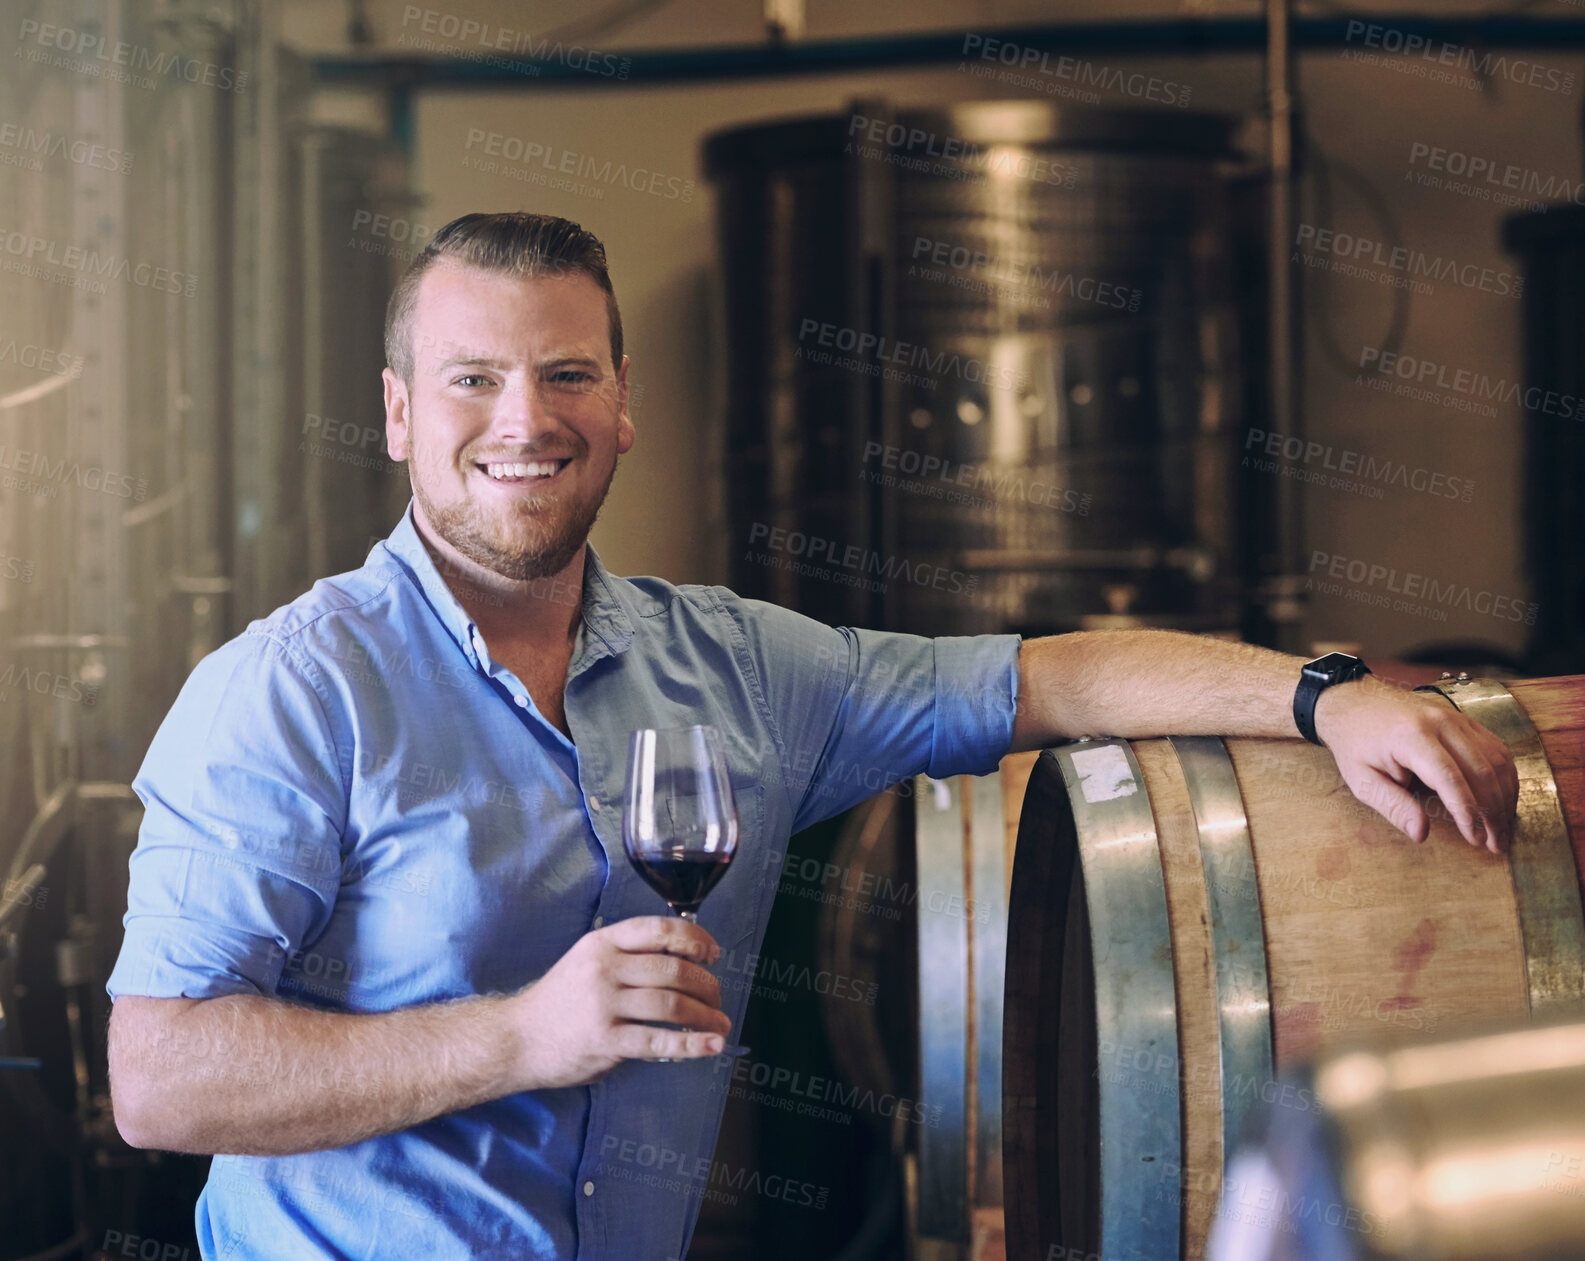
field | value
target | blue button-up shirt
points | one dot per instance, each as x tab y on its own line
351	806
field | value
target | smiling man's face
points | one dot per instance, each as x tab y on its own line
514	419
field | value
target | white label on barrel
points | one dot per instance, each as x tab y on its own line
1104	773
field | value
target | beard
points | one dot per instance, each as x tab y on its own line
542	541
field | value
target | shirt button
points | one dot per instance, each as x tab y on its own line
599	920
594	803
522	701
588	1188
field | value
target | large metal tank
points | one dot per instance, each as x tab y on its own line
190	433
983	374
985	370
1551	244
113	408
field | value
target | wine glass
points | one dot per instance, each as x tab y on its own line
679	820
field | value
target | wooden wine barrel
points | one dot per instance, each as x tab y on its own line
965	832
1188	915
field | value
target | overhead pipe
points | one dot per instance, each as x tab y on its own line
1162	37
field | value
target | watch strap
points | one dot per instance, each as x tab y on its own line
1312	683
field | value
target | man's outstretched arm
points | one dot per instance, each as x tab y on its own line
249	1074
1137	683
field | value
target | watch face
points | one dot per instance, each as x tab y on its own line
1334	666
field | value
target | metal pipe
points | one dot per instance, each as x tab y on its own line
1166	37
54	819
12	904
1284	601
312	157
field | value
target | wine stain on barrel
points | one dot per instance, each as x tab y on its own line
1332	863
1409	957
1410	954
1374	832
1298	1034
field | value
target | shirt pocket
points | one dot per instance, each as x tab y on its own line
742	894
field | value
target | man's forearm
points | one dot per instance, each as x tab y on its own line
1136	683
1142	683
254	1076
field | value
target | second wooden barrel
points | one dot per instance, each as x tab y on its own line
965	830
1188	915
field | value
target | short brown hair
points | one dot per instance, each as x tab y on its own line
514	243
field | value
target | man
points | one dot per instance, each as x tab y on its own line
383	949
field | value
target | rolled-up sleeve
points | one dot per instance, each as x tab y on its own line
857	711
976	700
238	858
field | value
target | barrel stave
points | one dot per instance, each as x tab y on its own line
1194	978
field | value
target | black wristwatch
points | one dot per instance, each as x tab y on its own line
1315	678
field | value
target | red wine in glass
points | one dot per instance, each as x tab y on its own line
679	818
681	879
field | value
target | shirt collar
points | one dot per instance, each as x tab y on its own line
605	627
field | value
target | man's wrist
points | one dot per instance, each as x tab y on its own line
504	1032
1328	706
1315	679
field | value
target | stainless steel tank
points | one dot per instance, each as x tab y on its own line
1551	245
188	437
985	370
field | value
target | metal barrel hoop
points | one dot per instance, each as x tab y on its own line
1135	999
1545	882
1238	944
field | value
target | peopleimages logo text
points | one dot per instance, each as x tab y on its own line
1447	595
908	147
54	144
37	251
1028	60
96	55
480	38
1025	273
1485	65
1407	262
582	165
1362	464
922	468
1426	373
879	349
814	550
1499	175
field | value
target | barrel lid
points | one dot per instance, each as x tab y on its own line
779	142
